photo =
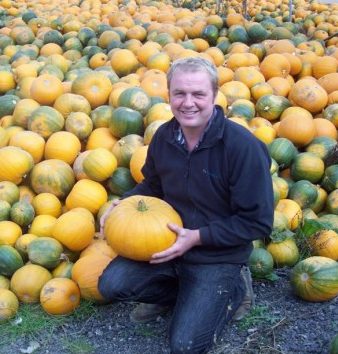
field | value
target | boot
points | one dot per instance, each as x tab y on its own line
144	313
249	297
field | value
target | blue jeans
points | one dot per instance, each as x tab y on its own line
204	296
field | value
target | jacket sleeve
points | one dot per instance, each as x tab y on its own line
251	199
151	184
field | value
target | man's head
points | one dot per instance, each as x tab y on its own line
192	86
194	64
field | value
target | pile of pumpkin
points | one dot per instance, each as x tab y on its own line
83	89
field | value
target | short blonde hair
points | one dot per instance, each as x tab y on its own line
194	64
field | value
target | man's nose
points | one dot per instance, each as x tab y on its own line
188	100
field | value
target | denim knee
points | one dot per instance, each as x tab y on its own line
105	287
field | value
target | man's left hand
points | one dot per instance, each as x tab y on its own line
185	240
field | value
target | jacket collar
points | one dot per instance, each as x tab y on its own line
213	132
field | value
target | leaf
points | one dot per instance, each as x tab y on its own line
272	276
311	226
278	236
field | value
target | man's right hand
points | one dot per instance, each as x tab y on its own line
107	212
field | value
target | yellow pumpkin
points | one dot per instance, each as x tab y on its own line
87	194
75	229
15	163
63	146
47	204
99	164
137	227
9	304
27	282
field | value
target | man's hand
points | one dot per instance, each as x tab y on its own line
106	214
186	239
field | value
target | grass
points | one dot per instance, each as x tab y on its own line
259	315
32	323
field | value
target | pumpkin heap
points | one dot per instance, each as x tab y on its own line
82	91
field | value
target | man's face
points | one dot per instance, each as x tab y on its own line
191	98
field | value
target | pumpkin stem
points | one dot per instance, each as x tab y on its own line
64	257
141	205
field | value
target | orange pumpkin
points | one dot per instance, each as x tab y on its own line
60	296
137	161
86	272
308	94
45	89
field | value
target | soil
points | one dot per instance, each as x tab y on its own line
278	323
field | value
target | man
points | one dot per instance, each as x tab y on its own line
216	175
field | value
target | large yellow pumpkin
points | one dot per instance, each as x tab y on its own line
137	227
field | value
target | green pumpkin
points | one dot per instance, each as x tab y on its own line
9	192
53	36
7	104
101	116
242	108
307	165
45	251
330	178
271	106
22	213
210	33
126	121
257	33
125	147
121	181
238	33
85	34
10	260
260	263
52	176
135	98
321	146
304	193
315	279
5	209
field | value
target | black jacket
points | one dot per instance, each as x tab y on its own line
223	187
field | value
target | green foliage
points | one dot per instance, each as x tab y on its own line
259	315
31	321
307	229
